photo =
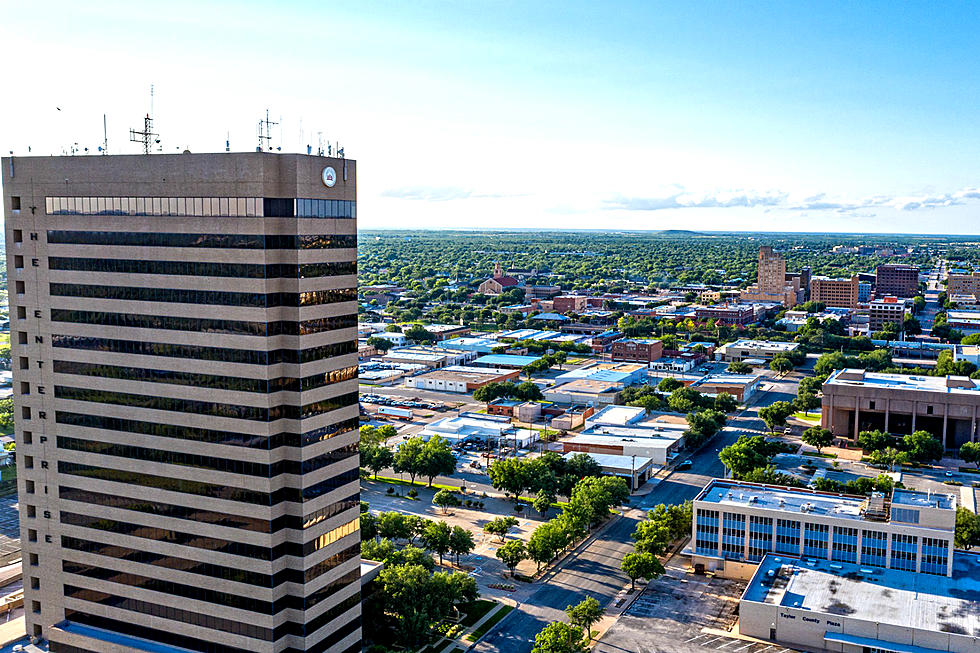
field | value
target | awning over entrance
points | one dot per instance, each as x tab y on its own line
879	644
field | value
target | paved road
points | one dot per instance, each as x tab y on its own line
595	571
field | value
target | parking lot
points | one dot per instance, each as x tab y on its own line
671	613
733	645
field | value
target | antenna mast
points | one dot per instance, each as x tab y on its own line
147	135
265	132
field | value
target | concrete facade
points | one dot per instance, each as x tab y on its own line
736	524
840	293
856	400
185	361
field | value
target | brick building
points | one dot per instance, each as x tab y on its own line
897	279
637	350
840	293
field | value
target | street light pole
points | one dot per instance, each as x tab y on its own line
633	473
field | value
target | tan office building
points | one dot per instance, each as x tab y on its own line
840	293
963	284
948	407
771	284
185	361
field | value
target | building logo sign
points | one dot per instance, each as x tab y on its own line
329	177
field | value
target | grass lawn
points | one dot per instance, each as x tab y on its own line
814	454
489	623
804	417
475	611
398	481
8	473
970	470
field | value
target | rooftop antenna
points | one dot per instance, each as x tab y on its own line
105	137
265	132
227	141
319	143
147	136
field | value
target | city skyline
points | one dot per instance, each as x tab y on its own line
498	115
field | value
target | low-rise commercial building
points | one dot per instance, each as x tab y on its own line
741	350
835	292
588	392
636	470
630	431
383	373
967	322
640	350
512	361
477	345
729	314
815	604
476	427
569	303
887	310
855	400
433	357
736	524
625	374
968	353
459	378
740	386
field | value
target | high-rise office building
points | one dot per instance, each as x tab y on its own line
184	353
896	279
772	284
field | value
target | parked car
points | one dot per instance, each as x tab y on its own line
686	464
788	430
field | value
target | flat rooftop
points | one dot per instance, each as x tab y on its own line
860	378
765	345
728	379
612	461
506	359
923	499
464	373
886	596
587	385
770	497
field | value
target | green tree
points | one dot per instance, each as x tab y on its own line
543	501
546	541
967	533
500	526
806	402
437	459
376	457
529	391
641	565
818	437
873	440
460	542
584	614
684	400
775	415
370	435
922	447
769	475
559	637
577	466
410	457
369	526
597	494
669	384
437	538
445	499
739	367
746	454
409	594
781	365
512	553
970	453
725	403
509	475
394	526
888	457
418	333
379	343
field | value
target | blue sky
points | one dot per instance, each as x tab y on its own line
824	116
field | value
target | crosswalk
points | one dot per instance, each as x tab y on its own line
733	645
